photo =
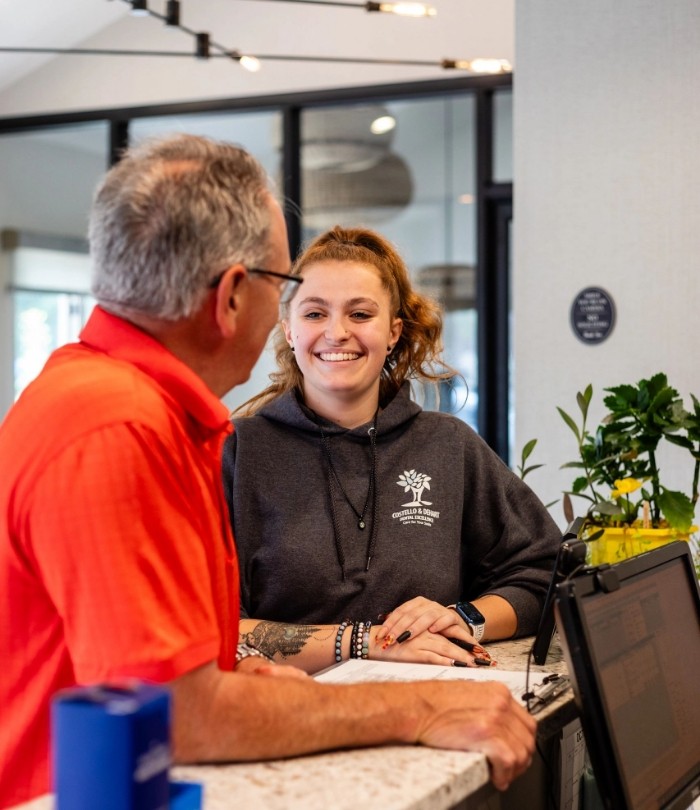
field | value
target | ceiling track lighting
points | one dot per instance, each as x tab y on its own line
139	8
172	13
206	48
480	65
402	9
202	42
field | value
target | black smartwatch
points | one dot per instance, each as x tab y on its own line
473	617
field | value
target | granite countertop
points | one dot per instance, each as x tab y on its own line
389	777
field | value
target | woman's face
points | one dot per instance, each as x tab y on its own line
342	328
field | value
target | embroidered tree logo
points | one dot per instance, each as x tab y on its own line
416	482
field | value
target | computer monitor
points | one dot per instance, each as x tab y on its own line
631	637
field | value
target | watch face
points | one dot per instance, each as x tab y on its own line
469	613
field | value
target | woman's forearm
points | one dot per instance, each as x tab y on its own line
501	620
310	647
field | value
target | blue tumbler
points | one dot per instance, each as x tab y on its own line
111	747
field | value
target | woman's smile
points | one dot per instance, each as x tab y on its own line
337	357
342	329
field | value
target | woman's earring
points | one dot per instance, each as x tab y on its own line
291	347
389	349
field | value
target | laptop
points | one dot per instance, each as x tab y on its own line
631	637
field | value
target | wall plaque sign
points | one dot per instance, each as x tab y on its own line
592	315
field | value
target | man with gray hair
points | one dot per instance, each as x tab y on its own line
116	554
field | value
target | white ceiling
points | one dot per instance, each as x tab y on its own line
35	84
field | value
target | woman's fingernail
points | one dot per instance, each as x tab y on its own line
459	664
483	662
403	637
388	641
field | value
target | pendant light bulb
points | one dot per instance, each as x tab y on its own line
491	66
404	9
478	65
249	63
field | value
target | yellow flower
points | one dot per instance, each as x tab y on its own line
624	486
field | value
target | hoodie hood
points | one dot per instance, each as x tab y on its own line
290	410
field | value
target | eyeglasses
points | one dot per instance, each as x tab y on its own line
287	290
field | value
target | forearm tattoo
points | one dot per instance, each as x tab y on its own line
283	639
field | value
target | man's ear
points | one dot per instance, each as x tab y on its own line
230	298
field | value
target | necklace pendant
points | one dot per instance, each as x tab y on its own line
361	524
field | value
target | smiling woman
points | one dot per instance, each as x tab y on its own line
360	519
341	340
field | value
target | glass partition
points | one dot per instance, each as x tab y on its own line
405	166
503	136
406	169
48	179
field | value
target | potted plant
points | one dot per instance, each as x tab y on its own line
629	508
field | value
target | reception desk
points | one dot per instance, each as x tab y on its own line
391	777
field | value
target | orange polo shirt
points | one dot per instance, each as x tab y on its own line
116	556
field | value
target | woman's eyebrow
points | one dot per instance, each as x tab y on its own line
352	302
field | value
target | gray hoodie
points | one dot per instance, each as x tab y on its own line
451	521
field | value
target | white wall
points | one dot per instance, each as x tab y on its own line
607	193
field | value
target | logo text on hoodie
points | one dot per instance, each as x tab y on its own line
415	511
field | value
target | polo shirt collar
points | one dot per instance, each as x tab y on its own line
117	338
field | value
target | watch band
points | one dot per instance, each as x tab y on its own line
472	617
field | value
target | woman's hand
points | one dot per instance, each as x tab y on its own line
417	615
424	631
421	618
458	649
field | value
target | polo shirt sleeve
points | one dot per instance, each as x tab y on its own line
116	536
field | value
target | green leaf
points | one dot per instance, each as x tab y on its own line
527	449
606	508
681	441
677	508
623	398
568	507
570	422
578	465
584	401
530	469
580	484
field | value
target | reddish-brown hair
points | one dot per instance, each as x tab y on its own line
417	353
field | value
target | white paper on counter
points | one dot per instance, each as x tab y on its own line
358	670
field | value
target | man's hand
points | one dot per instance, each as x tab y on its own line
480	717
235	716
253	664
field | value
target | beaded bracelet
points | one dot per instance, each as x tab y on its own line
356	651
359	641
365	641
353	638
339	639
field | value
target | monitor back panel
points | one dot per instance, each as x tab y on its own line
631	636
